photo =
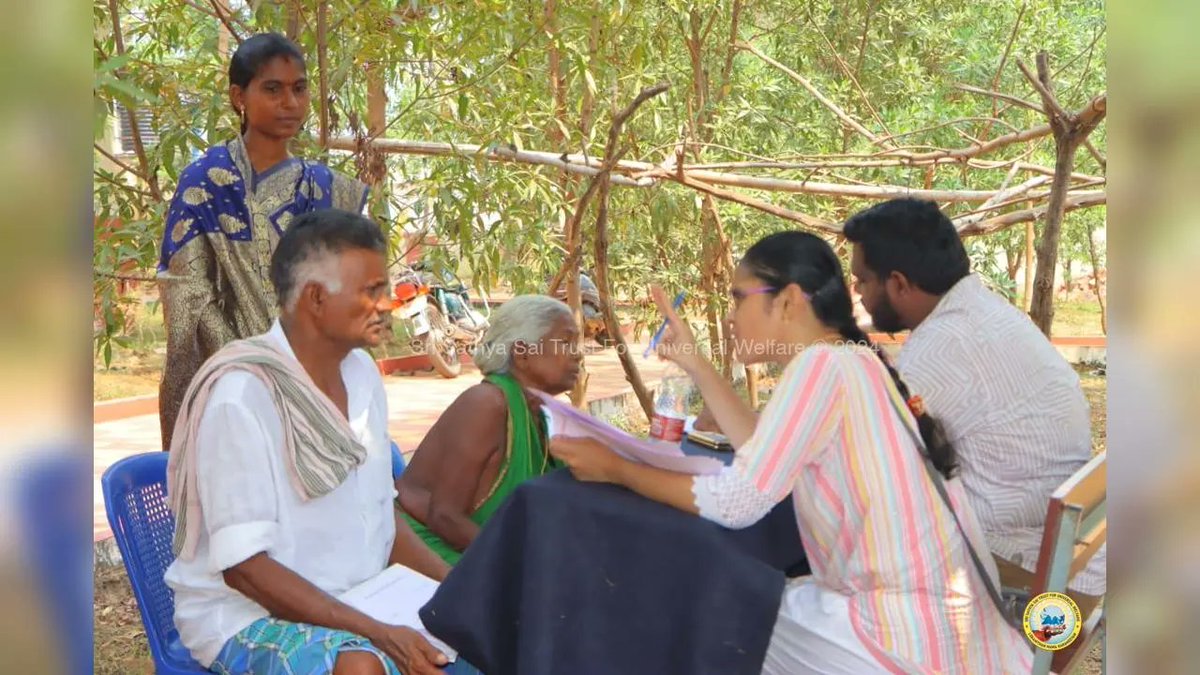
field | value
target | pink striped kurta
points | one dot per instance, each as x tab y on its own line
872	523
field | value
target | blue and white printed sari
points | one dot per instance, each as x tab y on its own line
222	226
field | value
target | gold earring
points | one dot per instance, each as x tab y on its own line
242	113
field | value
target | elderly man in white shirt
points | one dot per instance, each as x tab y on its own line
1010	404
280	476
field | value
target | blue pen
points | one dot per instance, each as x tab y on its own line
661	329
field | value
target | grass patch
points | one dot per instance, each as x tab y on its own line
1094	381
136	368
1074	318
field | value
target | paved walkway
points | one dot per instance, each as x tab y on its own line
414	404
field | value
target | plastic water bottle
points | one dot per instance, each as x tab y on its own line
671	406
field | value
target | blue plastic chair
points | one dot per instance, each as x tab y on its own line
135	496
53	504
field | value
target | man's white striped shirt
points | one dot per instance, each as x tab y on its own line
1012	407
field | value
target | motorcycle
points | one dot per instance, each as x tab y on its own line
438	314
594	326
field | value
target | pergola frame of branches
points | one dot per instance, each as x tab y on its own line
1048	194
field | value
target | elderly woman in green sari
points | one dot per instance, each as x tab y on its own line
229	210
493	437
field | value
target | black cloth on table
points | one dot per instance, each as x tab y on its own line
581	578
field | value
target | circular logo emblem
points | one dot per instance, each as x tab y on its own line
1052	621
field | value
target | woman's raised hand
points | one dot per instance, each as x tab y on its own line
678	343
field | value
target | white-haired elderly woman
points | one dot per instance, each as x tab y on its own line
493	436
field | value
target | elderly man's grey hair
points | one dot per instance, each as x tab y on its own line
322	266
525	318
308	252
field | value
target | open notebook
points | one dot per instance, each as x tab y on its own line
394	596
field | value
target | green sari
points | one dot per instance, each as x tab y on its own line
525	457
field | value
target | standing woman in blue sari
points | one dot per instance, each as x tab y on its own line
229	210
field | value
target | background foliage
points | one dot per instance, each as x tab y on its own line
479	72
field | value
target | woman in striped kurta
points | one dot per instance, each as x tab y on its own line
893	587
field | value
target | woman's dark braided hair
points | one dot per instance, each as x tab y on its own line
804	259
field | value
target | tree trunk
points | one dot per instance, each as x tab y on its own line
575	300
557	85
572	227
610	311
612	154
586	119
376	99
587	111
1096	279
323	73
1030	235
1067	271
131	110
708	287
292	14
716	257
716	275
1012	263
223	40
1069	131
1041	308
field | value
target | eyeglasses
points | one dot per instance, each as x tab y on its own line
741	294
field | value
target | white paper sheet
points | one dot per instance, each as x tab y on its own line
567	421
394	597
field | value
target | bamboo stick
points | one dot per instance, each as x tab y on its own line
834	189
787	214
1000	222
1000	200
499	152
647	173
